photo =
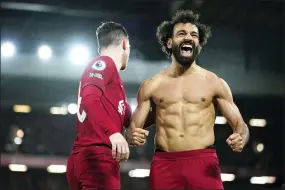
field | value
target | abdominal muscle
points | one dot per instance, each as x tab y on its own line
184	129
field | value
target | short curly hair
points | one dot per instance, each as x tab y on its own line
165	29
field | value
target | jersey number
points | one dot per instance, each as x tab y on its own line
81	116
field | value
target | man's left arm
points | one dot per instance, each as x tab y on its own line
150	120
229	110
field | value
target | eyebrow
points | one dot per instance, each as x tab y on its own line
186	31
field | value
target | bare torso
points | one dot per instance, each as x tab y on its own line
185	113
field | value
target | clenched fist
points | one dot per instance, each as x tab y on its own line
235	141
136	136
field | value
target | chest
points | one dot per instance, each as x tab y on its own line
193	90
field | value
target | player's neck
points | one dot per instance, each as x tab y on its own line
181	70
114	55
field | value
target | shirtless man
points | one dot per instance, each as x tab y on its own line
185	96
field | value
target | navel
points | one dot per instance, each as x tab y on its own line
161	100
203	99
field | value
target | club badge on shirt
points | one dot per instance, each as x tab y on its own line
99	65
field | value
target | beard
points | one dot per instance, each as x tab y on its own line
185	56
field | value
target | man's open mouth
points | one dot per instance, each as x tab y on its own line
186	49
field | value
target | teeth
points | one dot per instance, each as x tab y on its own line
189	46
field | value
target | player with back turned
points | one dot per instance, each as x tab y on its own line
102	113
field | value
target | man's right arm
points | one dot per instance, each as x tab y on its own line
100	120
92	86
135	133
96	113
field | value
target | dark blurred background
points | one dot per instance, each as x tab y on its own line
45	46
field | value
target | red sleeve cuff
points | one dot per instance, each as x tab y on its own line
110	128
111	132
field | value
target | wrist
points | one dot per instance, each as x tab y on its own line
245	136
127	137
110	133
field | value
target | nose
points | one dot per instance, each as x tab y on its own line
188	36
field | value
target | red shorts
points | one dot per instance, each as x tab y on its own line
195	169
93	168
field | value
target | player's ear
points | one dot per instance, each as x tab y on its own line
124	44
169	43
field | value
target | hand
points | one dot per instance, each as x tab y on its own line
120	147
136	136
235	141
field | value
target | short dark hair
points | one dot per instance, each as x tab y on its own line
165	29
110	33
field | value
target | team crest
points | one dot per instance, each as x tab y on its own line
99	65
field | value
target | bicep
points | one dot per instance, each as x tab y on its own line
141	112
143	107
90	101
85	93
226	104
97	115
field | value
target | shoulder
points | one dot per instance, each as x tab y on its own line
101	63
219	85
100	70
152	82
101	67
149	85
208	74
213	78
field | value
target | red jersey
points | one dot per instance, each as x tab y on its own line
102	106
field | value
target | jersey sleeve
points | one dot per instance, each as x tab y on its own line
128	115
98	73
96	113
